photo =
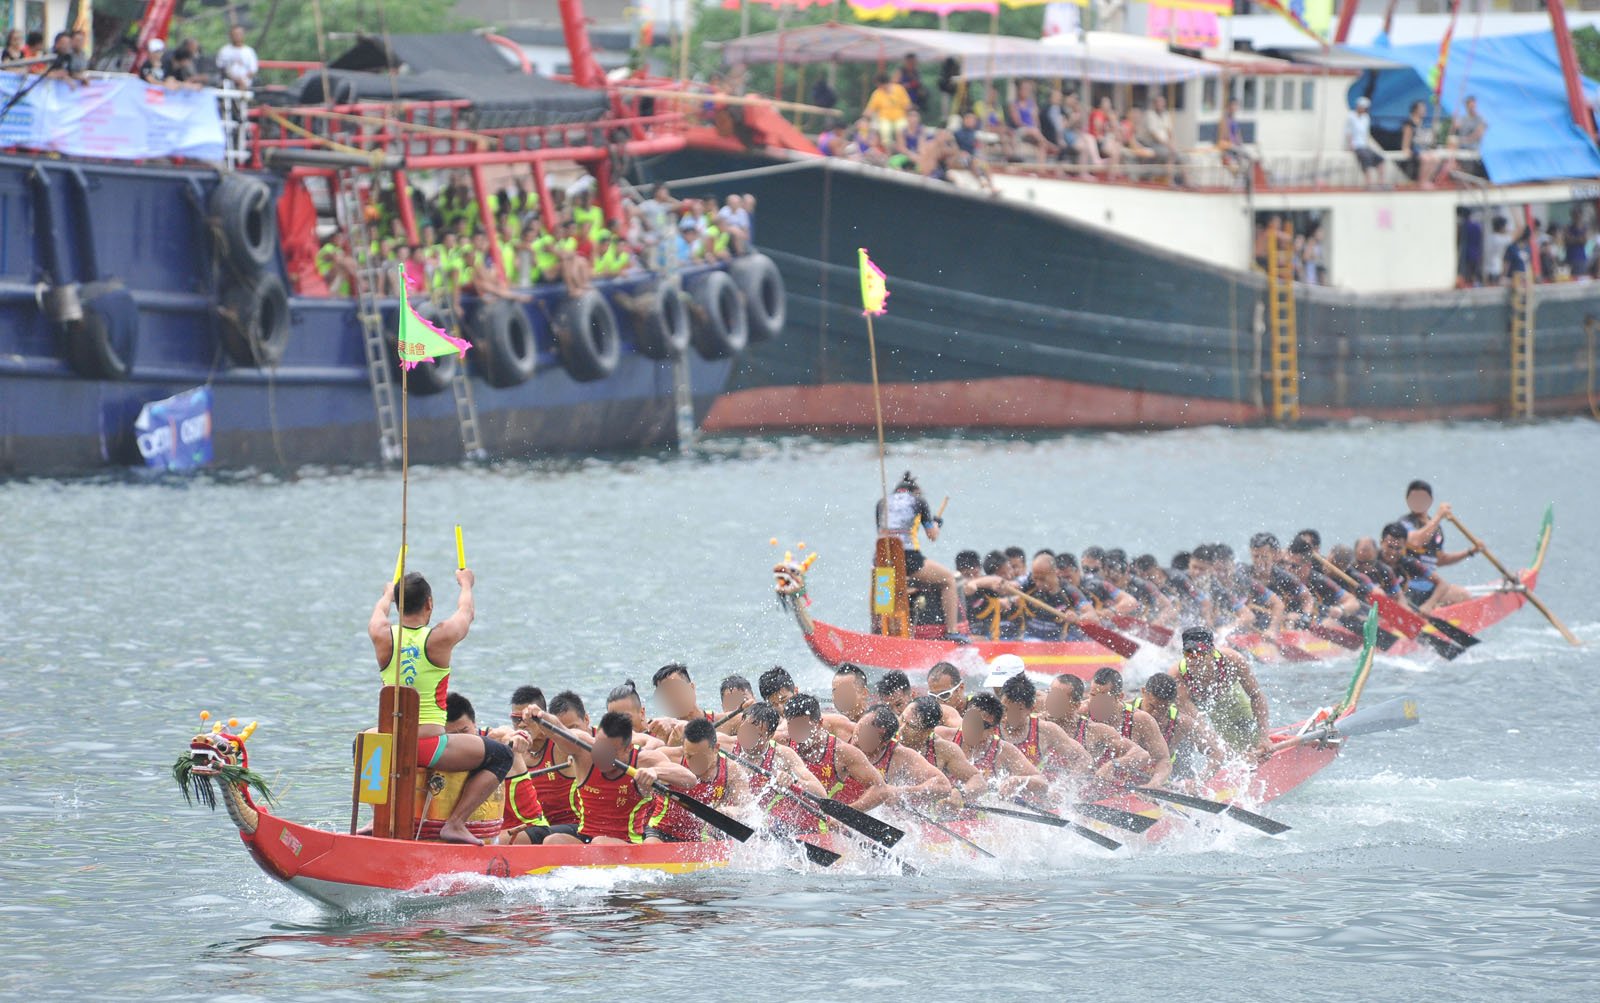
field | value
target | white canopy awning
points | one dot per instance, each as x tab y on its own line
1106	57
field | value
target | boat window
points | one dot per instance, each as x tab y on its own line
1208	94
1180	96
1248	101
1269	96
1308	94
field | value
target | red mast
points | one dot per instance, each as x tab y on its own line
1570	74
586	72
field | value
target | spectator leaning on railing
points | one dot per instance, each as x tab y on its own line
237	62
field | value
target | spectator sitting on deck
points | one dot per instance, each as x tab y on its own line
1076	137
1420	161
1023	119
910	78
1103	127
887	108
1155	134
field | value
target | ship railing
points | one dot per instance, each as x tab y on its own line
1206	170
429	129
233	107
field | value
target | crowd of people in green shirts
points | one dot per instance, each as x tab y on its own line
454	253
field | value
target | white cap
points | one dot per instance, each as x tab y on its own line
1003	667
156	45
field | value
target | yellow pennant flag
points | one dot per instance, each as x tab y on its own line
874	290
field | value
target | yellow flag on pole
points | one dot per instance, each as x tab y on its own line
874	288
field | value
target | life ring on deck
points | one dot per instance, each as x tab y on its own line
662	326
242	207
502	331
719	323
764	297
587	337
254	321
101	343
428	378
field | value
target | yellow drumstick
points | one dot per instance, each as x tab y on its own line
400	562
461	551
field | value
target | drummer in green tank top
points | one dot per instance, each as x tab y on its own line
1217	684
417	653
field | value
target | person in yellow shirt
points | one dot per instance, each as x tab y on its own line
612	260
887	108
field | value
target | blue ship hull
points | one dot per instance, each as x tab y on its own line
146	227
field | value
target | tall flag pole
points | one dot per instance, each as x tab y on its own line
418	341
1436	75
874	300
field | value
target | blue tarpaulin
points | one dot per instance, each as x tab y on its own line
1517	81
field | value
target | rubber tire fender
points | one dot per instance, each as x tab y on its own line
719	322
503	334
587	336
764	296
104	344
254	321
663	331
244	210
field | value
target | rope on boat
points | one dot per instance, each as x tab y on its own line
749	172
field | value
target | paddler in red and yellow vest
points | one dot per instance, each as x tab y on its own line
910	778
1063	707
675	693
917	732
719	783
778	688
755	743
417	654
851	694
946	685
526	819
842	769
1041	742
613	805
554	789
1108	706
1196	752
1216	685
625	699
1000	763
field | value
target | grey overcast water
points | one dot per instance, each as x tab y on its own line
1457	860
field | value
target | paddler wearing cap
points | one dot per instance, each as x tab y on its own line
1217	683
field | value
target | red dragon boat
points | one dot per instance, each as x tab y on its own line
353	871
879	653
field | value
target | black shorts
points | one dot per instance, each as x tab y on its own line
537	833
914	561
1368	158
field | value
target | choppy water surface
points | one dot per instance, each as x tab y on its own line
1451	861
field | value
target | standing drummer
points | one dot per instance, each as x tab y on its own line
905	508
416	653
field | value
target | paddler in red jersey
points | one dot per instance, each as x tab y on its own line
757	725
946	685
917	731
555	789
676	696
841	768
778	688
526	820
626	699
1000	763
613	805
1041	742
416	653
910	778
1063	707
851	694
1106	705
718	782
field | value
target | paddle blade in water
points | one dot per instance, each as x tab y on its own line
1270	826
1390	715
707	814
818	855
872	828
1115	816
1187	800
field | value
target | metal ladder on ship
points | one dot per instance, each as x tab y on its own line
1522	309
380	363
1285	340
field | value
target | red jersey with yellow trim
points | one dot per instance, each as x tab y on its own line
784	810
1029	746
554	790
676	823
987	757
613	806
522	803
824	769
851	789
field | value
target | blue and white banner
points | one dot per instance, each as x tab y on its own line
175	434
116	118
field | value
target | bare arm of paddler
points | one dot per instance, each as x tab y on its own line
1252	689
1020	775
793	770
1147	734
663	769
1061	750
852	762
1126	754
913	779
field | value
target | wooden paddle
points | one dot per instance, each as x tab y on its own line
699	809
1051	820
930	820
1269	826
1396	618
1122	645
874	829
1152	632
1291	652
1572	638
1130	821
